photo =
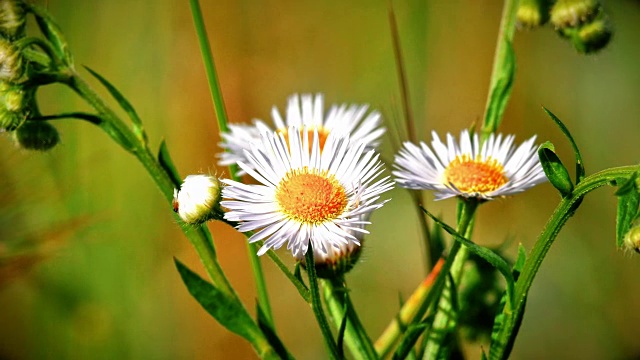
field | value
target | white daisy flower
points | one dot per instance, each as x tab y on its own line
305	111
305	195
467	169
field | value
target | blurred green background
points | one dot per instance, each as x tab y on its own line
96	278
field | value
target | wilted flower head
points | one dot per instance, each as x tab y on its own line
306	195
305	112
468	169
198	199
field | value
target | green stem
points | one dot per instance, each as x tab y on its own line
316	304
500	347
221	116
336	295
445	322
505	36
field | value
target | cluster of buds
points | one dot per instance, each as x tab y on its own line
17	95
583	22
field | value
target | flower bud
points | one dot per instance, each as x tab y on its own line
37	135
593	36
11	66
632	239
198	199
532	13
12	18
336	262
571	13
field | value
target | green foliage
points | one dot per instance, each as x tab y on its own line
580	172
500	90
628	201
554	169
164	158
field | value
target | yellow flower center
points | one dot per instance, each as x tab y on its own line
310	196
323	133
474	175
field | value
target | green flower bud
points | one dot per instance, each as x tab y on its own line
632	239
593	36
12	18
571	13
335	262
532	13
198	199
11	64
37	135
10	120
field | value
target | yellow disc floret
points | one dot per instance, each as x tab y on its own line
475	176
311	196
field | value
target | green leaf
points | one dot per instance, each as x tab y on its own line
628	201
554	169
500	91
52	33
229	312
408	340
341	332
164	158
271	335
580	173
519	264
125	104
436	245
491	257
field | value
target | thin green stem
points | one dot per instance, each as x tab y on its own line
501	347
445	321
221	116
316	304
506	33
336	295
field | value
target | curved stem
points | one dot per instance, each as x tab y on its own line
337	297
500	347
445	321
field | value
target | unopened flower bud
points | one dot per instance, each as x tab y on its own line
11	68
12	18
198	199
593	36
632	239
532	13
335	262
571	13
37	135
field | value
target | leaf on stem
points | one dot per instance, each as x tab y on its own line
491	257
411	336
341	331
580	173
164	158
138	128
500	90
52	33
271	335
227	311
554	169
628	201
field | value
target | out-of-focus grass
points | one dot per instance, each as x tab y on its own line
108	289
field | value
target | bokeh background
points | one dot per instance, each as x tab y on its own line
95	277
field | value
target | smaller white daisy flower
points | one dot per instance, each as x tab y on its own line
198	199
305	111
306	195
467	169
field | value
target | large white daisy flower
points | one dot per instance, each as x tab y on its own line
468	169
305	111
306	195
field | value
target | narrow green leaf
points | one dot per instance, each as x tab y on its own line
341	332
125	104
411	336
436	246
164	158
580	173
554	169
627	185
519	264
271	335
491	257
627	207
51	32
227	311
500	91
